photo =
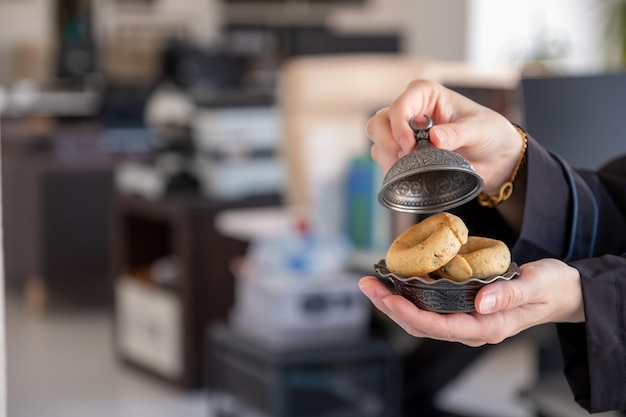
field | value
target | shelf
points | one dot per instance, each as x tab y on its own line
281	13
182	228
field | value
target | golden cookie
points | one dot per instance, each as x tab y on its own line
427	245
480	258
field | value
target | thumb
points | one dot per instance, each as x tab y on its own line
500	296
446	136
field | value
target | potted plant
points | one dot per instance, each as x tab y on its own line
617	31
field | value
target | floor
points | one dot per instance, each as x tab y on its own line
61	364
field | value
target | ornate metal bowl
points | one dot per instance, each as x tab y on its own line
441	295
429	179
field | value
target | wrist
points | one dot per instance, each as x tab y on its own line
574	309
494	196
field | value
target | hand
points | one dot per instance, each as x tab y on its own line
546	291
484	137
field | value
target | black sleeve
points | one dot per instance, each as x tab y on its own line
547	212
577	217
595	351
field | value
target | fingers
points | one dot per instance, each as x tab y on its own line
398	308
469	329
401	130
390	131
385	150
471	130
528	288
547	290
462	327
419	98
501	296
376	291
389	128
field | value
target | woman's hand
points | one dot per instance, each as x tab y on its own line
546	291
486	138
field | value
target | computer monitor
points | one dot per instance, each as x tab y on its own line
581	118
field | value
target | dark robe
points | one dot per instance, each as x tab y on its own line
578	217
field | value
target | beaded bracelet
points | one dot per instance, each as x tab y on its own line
507	188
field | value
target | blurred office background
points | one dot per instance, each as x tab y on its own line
188	199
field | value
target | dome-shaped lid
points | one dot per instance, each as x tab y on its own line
429	179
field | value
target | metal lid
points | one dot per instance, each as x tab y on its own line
429	179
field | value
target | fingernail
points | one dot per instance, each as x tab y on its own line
368	291
389	304
488	303
441	134
406	143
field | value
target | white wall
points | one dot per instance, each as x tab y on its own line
437	29
496	33
571	31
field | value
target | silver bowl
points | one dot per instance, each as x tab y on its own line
441	295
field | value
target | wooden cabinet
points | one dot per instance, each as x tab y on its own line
160	324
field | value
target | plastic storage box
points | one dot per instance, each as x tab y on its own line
285	312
